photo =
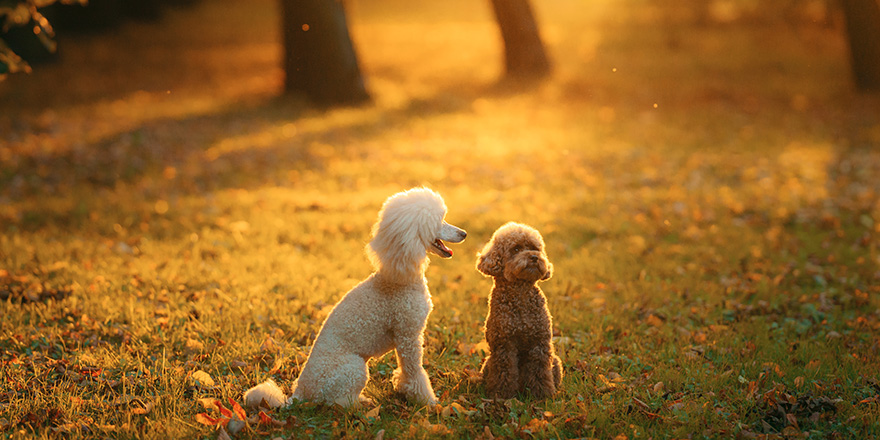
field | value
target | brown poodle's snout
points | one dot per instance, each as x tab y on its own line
528	265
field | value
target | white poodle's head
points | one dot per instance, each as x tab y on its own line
410	224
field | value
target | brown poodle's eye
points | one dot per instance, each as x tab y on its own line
516	249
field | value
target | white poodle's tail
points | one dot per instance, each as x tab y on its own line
268	392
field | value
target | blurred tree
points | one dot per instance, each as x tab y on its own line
319	58
320	61
38	37
26	35
863	30
524	54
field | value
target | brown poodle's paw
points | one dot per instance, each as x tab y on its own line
501	394
543	391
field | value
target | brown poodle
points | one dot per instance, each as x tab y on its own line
518	328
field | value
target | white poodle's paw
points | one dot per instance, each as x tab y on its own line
353	401
265	394
365	401
415	388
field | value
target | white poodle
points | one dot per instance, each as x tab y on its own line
386	311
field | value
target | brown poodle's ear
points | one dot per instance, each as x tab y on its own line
489	261
549	272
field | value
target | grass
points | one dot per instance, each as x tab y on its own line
707	193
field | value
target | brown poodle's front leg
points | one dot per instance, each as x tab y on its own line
537	372
500	373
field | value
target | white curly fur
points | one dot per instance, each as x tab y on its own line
386	311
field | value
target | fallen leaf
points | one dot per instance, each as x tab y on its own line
373	413
270	346
469	349
194	344
208	403
535	425
453	408
210	421
264	419
223	411
486	435
142	410
203	379
237	409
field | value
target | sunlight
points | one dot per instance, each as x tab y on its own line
174	231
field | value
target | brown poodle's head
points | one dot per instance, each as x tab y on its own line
515	252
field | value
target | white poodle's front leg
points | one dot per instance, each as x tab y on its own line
410	378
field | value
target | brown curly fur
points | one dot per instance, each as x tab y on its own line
518	327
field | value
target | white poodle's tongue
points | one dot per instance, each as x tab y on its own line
439	245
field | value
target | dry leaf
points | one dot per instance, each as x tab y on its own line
487	434
658	387
277	365
142	410
203	379
270	346
223	411
194	344
237	409
205	419
208	403
791	419
373	413
468	349
438	429
536	425
454	408
264	419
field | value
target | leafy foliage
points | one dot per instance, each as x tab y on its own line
21	13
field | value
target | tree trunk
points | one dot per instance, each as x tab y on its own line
319	58
524	54
863	30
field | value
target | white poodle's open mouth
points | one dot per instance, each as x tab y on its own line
440	249
448	233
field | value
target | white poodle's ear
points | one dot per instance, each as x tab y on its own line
406	225
489	260
396	247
